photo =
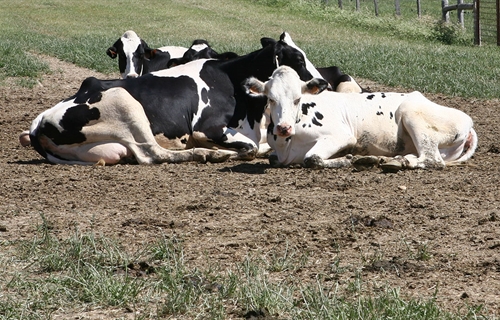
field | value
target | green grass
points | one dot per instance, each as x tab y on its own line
400	51
89	272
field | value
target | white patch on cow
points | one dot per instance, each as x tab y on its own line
199	47
131	42
174	51
350	86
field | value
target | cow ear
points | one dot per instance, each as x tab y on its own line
253	87
112	52
267	41
149	53
316	86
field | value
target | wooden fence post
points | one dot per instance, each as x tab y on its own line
477	27
446	14
498	22
398	7
419	9
375	2
358	5
460	13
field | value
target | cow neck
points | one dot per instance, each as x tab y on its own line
259	64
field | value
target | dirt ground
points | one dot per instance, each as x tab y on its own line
419	231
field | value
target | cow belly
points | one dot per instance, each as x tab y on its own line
109	152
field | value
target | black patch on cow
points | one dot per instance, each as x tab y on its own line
204	95
306	106
383	95
95	98
78	116
318	115
275	137
391	115
64	137
316	122
380	113
74	119
371	96
288	139
304	125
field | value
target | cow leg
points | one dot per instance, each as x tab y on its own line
246	148
420	126
320	156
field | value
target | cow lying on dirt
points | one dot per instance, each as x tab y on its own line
318	128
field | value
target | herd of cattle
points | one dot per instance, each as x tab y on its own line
176	104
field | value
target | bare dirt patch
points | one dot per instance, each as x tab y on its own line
420	231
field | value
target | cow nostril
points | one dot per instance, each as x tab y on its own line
283	129
133	75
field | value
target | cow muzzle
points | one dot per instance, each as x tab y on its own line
283	130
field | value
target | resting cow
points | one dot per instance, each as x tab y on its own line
136	58
200	49
318	129
199	104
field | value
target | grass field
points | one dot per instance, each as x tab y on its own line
398	51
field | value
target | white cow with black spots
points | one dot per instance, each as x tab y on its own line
318	129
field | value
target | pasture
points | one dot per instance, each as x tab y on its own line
240	239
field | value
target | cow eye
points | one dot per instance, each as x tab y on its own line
296	101
270	101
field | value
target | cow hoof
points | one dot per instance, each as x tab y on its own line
218	156
248	155
273	161
314	162
362	163
392	165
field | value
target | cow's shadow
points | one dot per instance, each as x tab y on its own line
26	162
249	168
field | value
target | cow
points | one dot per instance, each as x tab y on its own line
136	58
318	128
339	81
200	49
201	104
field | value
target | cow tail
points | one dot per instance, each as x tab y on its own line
469	147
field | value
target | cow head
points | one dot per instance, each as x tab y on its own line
131	52
200	49
290	55
284	91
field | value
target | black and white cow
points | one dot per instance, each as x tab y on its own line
199	104
317	130
136	58
200	49
339	81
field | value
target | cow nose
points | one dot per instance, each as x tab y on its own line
284	129
132	75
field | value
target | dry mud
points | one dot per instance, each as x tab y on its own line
420	231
